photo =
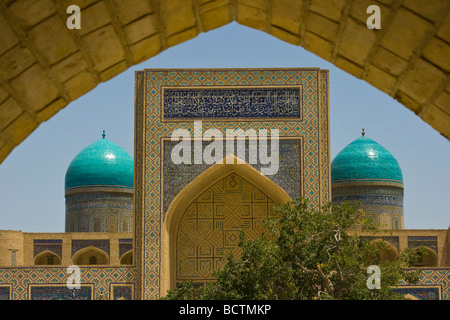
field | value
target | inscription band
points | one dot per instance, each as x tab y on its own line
238	102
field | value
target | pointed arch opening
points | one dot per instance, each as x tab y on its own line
427	258
127	258
205	218
47	258
388	253
90	256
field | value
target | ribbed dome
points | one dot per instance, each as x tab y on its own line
103	163
365	160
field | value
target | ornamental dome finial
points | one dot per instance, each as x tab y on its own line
363	133
103	134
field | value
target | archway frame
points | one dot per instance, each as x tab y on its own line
230	164
83	251
44	253
390	253
125	256
46	65
430	259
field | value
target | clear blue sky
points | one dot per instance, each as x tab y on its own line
32	177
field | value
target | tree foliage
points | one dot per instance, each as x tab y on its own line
307	254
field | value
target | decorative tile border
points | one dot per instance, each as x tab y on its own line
225	103
21	278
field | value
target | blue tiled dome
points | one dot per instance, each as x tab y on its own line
103	163
365	160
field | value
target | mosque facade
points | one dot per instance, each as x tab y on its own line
134	229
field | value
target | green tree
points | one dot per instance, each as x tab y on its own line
307	254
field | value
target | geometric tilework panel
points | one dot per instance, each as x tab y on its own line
288	177
212	223
103	278
303	116
434	278
22	279
55	248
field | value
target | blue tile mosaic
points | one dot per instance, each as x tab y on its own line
60	293
80	244
231	102
5	293
420	293
122	292
426	241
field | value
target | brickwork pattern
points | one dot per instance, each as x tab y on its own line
44	66
211	226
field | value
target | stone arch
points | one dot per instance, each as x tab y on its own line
127	258
85	256
182	202
44	66
429	259
47	257
390	253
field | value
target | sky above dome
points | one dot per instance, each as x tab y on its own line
32	177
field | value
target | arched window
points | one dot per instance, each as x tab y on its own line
90	256
127	258
388	252
427	258
205	218
47	258
111	224
97	225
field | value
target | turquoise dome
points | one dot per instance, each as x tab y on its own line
104	164
365	160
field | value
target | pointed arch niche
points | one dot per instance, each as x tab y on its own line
205	218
